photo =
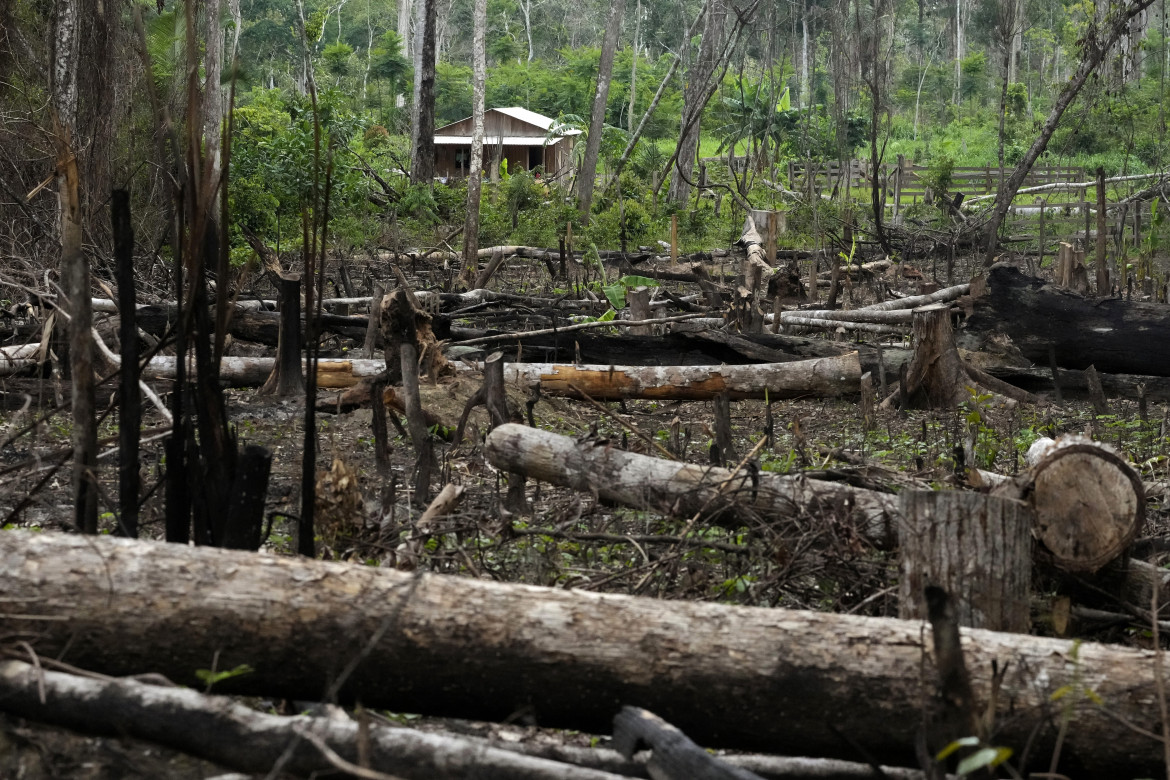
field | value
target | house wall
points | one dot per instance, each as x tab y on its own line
555	158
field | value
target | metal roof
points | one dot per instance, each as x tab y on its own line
525	116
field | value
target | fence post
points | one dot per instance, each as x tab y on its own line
1102	273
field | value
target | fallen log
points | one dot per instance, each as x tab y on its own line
673	488
1074	383
1116	336
727	676
231	734
819	377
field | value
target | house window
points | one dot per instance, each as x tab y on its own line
461	158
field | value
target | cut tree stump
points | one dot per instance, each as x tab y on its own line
935	378
976	547
287	378
728	676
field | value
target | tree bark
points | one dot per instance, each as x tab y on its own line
685	489
819	376
727	676
976	547
422	127
935	378
588	173
237	736
74	266
475	164
694	99
130	403
286	378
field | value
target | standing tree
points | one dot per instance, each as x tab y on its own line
422	126
695	97
586	178
875	55
475	165
74	268
1096	43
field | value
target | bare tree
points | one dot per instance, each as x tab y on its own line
422	126
1097	43
213	70
475	164
588	174
695	97
74	268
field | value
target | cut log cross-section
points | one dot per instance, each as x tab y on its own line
976	547
1089	503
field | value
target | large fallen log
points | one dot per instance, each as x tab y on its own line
675	488
781	680
816	377
1116	336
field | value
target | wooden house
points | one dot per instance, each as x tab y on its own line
516	134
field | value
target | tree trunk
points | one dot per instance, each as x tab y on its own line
1112	334
475	164
676	488
588	174
234	735
727	676
74	266
422	127
212	99
819	376
286	378
976	547
695	98
1093	50
935	378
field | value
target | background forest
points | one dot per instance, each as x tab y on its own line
962	83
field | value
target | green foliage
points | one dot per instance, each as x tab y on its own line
337	58
210	677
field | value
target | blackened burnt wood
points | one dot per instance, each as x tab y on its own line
287	378
1117	336
130	398
727	676
1075	383
240	529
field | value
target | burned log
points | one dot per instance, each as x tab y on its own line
1117	336
727	676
